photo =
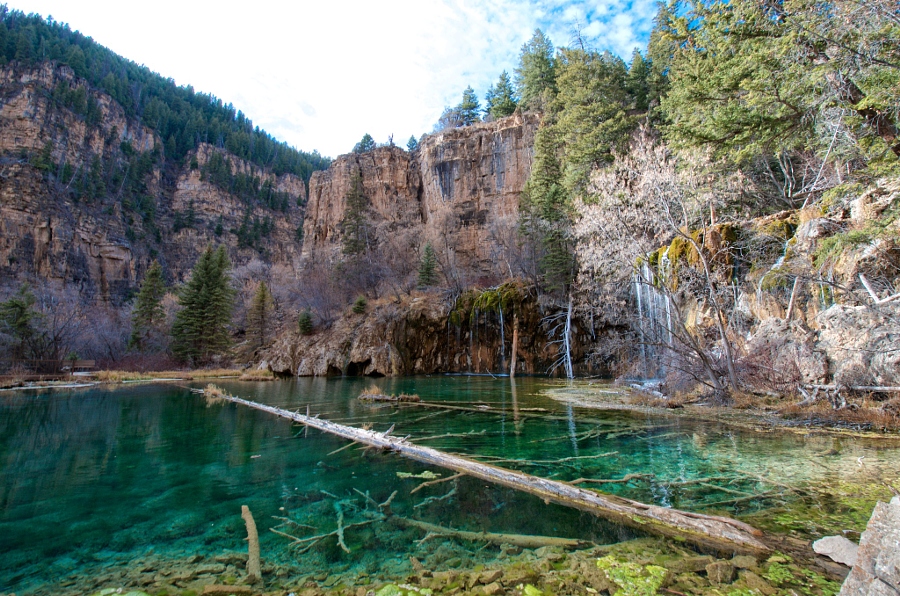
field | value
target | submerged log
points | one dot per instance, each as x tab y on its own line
253	568
706	531
522	540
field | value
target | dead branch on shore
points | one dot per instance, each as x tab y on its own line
719	533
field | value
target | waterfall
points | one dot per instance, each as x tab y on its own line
502	343
774	268
654	310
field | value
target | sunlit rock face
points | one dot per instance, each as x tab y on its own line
102	246
459	189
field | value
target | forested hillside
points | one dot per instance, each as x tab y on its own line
182	118
107	167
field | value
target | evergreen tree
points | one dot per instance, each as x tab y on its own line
544	212
535	76
412	144
18	321
427	267
355	223
753	78
500	100
148	314
637	83
468	108
591	112
366	144
259	316
200	331
304	322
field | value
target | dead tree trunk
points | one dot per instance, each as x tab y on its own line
706	531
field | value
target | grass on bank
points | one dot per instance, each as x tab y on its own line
121	376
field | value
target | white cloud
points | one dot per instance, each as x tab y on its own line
320	75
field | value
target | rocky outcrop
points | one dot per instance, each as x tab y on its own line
212	207
456	191
414	336
877	567
101	246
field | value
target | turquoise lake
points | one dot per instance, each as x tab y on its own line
95	478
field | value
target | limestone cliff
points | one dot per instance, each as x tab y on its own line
456	190
73	211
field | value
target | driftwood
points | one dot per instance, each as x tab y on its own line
253	570
522	540
706	531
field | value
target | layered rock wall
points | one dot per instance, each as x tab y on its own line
102	246
456	191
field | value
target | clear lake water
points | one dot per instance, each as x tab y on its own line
95	478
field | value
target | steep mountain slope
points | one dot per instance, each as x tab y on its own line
91	201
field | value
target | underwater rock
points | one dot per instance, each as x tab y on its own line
755	583
226	590
489	577
720	572
744	562
837	548
877	569
692	564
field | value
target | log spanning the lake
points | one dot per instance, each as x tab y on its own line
712	532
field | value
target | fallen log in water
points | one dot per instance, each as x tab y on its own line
522	540
707	531
403	397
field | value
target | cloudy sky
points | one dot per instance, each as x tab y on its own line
321	74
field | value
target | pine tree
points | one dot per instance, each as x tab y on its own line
593	119
200	331
259	316
18	321
305	322
637	83
544	211
366	144
535	75
354	224
500	100
148	313
469	108
427	272
412	144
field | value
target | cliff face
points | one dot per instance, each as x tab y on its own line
455	191
59	137
417	336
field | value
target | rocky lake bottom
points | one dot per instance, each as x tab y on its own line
140	487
